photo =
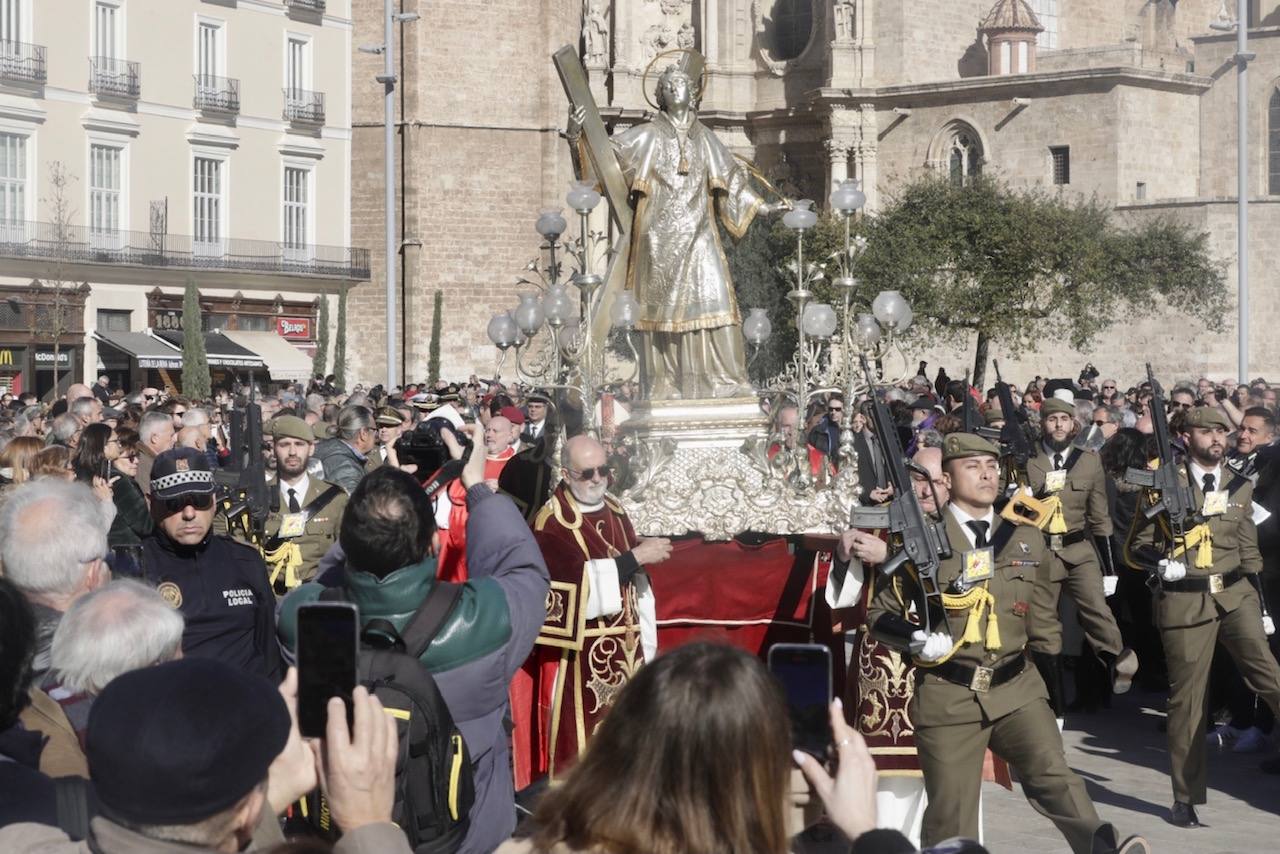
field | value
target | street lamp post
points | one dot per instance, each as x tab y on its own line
388	80
1242	59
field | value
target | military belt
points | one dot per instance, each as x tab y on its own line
976	677
1058	542
1203	584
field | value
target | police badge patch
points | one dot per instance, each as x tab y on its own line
170	592
181	464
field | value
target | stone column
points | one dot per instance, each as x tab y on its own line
867	156
837	161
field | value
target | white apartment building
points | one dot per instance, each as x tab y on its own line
204	140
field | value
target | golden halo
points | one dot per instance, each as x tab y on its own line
644	78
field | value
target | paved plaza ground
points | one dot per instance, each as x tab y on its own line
1121	754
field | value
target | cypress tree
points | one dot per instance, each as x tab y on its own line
196	382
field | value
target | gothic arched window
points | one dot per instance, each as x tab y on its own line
964	156
1273	144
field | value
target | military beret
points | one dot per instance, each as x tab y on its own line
181	471
1207	416
960	445
991	416
388	417
180	742
291	427
1054	404
320	430
515	416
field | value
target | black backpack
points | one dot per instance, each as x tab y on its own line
435	783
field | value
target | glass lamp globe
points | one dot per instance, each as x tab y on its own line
582	196
557	305
801	216
847	198
867	330
529	314
551	224
819	320
502	330
892	310
757	327
623	313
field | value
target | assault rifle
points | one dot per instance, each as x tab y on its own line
923	539
1177	502
244	499
1022	508
973	422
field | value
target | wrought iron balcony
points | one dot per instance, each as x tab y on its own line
114	78
309	5
22	62
80	245
216	94
301	105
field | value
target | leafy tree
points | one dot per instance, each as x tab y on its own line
340	343
1012	266
433	348
321	359
196	382
53	314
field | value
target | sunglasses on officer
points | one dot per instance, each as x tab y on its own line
198	500
604	472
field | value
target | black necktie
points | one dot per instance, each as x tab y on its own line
979	529
1057	462
1208	483
294	506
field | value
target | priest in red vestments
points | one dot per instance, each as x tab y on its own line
601	622
500	437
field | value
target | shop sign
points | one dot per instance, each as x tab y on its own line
8	359
293	327
168	320
44	358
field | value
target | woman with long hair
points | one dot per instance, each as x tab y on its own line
53	461
133	519
18	458
98	447
696	758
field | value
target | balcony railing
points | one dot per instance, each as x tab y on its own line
301	105
22	62
77	244
216	94
310	5
114	78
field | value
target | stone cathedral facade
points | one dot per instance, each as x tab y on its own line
1132	101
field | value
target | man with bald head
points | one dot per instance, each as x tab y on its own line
601	623
880	680
500	437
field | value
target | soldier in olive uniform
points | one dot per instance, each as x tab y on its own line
974	687
1081	540
305	511
1205	599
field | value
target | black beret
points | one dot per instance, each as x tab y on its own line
182	741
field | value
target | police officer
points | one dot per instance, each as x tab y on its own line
305	511
220	585
974	687
1078	537
1205	598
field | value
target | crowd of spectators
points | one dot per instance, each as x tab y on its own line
133	688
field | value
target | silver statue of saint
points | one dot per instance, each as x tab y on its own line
681	177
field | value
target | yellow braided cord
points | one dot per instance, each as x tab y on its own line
287	559
977	601
1202	539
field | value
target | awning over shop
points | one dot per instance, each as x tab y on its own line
221	350
151	353
285	362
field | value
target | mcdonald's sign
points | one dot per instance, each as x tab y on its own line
6	357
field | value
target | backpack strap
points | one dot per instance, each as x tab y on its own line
430	617
71	800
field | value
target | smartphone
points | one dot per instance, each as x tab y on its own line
105	470
328	639
804	669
